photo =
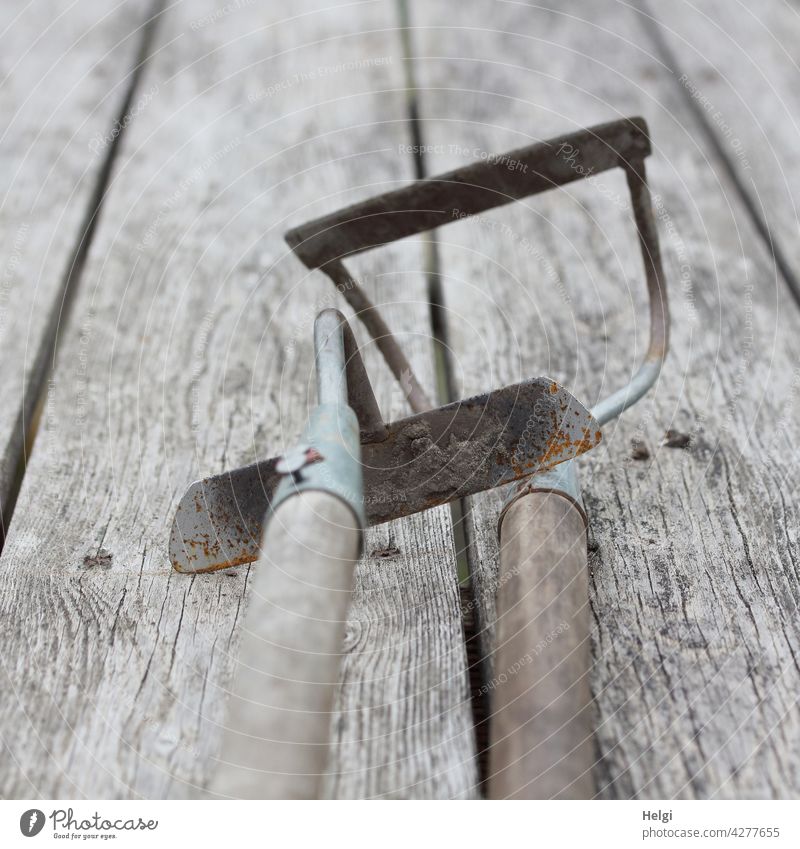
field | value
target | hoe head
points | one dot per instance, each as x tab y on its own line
404	467
435	455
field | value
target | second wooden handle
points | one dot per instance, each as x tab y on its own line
541	737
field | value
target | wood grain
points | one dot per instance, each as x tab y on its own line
693	552
192	338
738	68
541	727
65	69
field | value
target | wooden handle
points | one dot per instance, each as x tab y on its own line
278	723
541	724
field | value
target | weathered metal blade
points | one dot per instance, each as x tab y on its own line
425	460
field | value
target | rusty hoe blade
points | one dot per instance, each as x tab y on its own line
420	462
463	448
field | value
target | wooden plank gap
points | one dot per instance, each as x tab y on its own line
72	274
446	391
654	29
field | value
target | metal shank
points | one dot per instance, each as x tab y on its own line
436	201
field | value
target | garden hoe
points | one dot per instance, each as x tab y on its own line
303	514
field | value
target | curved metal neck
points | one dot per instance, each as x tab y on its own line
647	374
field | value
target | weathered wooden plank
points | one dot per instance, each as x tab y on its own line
694	555
65	69
192	341
739	70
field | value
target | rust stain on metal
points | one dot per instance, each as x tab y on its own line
564	445
422	461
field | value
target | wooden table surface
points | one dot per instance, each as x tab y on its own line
154	329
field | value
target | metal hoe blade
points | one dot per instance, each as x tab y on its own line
422	461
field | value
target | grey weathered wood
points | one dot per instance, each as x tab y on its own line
279	712
541	727
64	72
693	553
192	339
739	68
